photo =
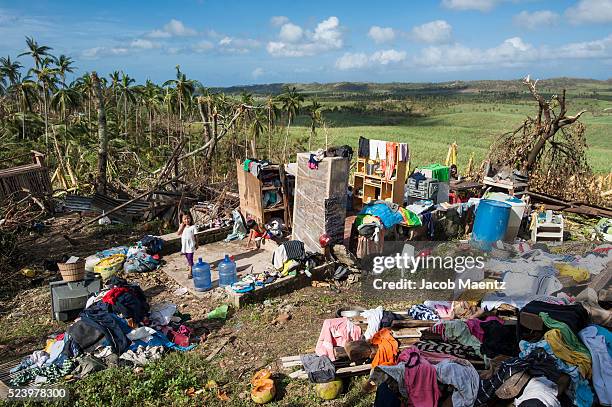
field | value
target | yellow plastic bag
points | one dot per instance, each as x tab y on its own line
109	266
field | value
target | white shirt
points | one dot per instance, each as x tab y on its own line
188	239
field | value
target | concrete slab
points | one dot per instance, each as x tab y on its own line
247	261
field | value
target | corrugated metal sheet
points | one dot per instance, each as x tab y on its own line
78	203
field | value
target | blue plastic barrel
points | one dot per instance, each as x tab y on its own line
491	221
201	276
227	272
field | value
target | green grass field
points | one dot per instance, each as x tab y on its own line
473	126
430	116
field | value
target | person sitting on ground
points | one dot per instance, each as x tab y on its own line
257	233
189	242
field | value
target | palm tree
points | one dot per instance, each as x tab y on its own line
273	114
63	101
291	101
47	79
184	89
128	94
256	129
85	86
64	65
10	69
315	119
151	99
37	52
115	78
25	91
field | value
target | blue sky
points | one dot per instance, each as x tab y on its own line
225	43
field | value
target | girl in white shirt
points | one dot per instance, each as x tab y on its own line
189	243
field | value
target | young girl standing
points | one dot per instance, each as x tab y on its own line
189	243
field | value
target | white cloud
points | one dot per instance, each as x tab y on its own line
202	46
237	45
590	11
480	5
98	52
387	57
381	34
290	33
277	21
143	44
360	60
537	19
434	32
512	52
352	61
292	42
589	49
174	28
257	72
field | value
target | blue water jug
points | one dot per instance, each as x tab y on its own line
491	222
201	276
227	272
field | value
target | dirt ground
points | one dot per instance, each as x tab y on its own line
253	336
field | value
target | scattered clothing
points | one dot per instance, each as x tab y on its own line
498	339
567	354
474	325
458	330
542	389
423	312
336	332
580	390
420	379
602	363
320	369
538	363
387	348
463	378
143	355
374	316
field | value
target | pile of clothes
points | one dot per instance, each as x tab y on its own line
117	328
255	166
370	225
546	353
141	257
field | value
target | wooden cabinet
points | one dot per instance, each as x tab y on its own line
370	186
253	191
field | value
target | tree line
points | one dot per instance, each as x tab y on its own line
144	123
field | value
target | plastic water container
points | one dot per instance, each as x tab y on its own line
516	215
201	276
227	272
491	221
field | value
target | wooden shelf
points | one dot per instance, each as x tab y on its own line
374	187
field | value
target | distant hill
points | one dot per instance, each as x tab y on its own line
353	89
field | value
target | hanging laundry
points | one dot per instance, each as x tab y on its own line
403	152
388	164
364	147
378	150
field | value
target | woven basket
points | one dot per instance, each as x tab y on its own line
72	271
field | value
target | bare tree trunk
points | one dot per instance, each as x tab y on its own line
102	136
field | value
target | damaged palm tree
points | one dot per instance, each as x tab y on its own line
550	149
